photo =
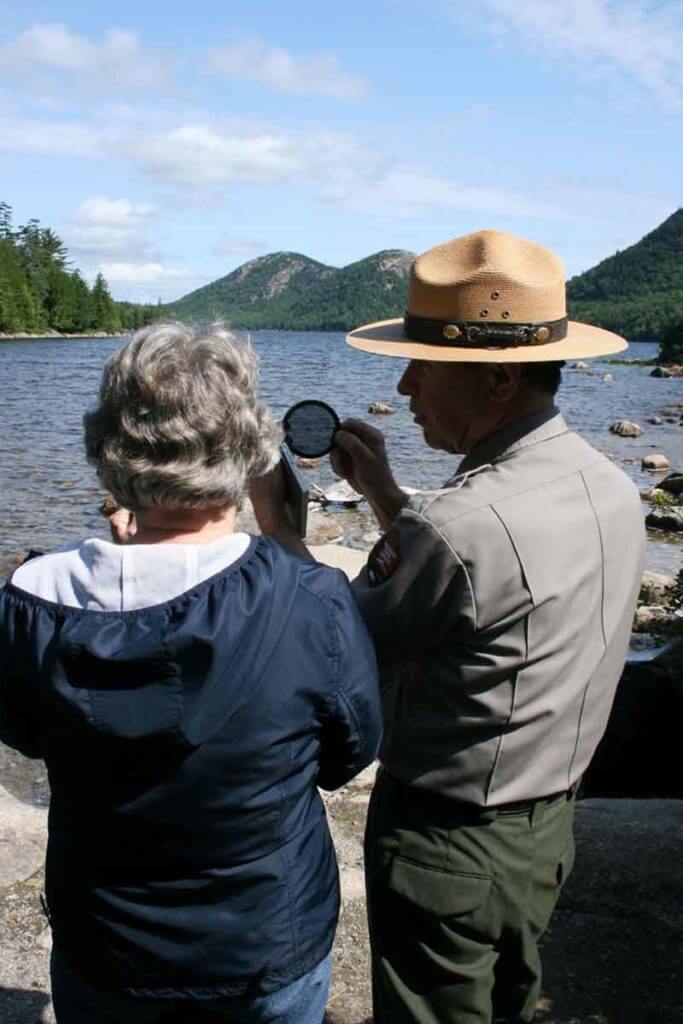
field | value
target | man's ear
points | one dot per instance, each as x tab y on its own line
504	380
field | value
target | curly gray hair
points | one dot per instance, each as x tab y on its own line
179	423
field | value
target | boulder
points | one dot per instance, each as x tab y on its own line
23	837
656	588
625	428
655	421
656	463
661	371
609	954
580	365
648	616
608	377
672	484
341	493
322	530
380	409
639	754
668	519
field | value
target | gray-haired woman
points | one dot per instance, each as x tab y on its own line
188	692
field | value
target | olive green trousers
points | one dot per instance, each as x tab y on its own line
457	901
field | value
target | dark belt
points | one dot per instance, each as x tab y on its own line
436	803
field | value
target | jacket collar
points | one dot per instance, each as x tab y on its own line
530	430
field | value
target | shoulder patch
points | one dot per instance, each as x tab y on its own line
384	558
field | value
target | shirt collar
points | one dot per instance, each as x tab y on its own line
540	426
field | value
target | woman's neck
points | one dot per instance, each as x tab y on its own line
183	526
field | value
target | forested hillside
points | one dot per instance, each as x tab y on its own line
289	291
637	292
39	290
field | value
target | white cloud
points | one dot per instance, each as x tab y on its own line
406	191
203	155
48	138
101	211
255	61
118	60
226	245
636	39
140	273
147	281
105	228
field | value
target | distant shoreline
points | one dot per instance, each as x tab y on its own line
56	336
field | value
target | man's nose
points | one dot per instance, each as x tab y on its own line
406	384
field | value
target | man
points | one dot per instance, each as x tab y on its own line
501	608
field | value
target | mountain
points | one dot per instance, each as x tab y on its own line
288	291
637	292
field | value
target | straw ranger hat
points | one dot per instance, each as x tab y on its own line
488	297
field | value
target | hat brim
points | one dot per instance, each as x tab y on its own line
583	341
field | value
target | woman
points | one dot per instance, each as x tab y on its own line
188	690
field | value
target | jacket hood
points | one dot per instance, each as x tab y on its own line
169	674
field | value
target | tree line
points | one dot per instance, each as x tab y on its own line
39	289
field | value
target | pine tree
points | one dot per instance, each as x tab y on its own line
105	314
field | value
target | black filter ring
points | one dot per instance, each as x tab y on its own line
309	402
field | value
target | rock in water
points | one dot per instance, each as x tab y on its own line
580	365
649	615
655	421
625	428
672	484
668	519
656	588
341	494
608	377
381	409
655	462
661	371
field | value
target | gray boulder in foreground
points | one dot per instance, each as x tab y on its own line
23	836
612	951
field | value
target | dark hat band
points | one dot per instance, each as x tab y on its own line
489	334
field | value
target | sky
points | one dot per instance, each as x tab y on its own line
169	143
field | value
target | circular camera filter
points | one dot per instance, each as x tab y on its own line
310	427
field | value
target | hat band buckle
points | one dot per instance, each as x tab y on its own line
457	333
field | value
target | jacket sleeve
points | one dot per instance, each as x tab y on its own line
19	723
352	723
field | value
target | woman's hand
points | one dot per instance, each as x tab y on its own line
268	494
360	457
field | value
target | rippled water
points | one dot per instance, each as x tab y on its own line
49	495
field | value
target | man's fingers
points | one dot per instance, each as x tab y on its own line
371	435
350	443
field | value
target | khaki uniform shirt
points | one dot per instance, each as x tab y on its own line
501	608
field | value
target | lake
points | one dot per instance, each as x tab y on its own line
49	496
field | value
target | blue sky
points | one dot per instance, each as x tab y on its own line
169	143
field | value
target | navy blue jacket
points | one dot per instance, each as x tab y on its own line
188	849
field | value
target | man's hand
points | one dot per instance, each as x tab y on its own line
359	456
